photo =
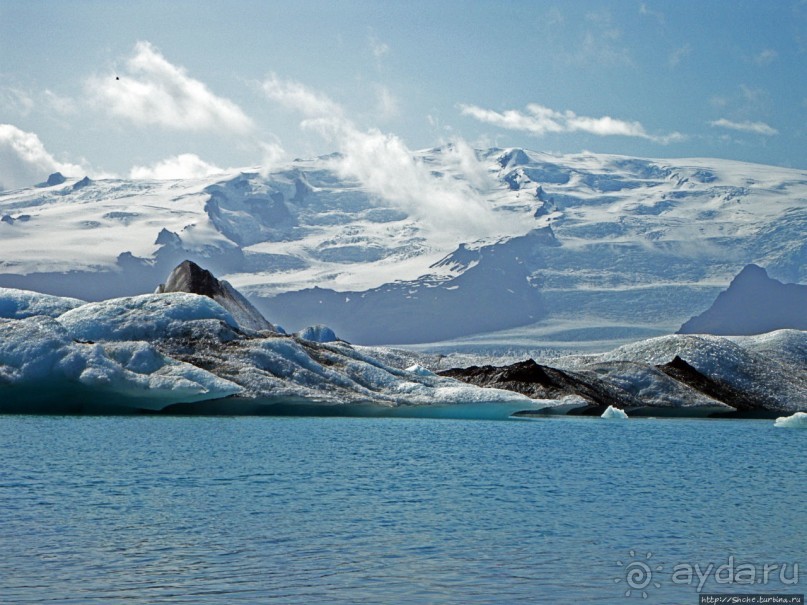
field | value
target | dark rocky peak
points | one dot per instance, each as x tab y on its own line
57	178
190	277
754	303
168	238
82	183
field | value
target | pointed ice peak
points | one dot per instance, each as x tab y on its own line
190	277
168	238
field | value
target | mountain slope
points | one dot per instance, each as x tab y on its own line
460	245
753	304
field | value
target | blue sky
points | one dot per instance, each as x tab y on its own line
240	83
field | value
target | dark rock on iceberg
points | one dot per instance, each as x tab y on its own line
190	277
683	372
753	304
761	378
544	382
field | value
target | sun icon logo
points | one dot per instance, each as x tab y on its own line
638	574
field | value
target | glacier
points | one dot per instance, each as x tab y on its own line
579	247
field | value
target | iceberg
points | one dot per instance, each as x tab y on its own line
144	317
796	421
317	333
19	304
188	353
419	370
612	413
43	369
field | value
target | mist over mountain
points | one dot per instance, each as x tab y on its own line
456	243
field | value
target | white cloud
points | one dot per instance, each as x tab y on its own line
300	98
540	120
387	104
16	100
151	90
182	166
746	126
679	54
601	43
379	48
59	104
388	169
645	10
765	57
24	161
272	153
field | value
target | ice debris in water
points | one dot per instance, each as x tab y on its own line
613	413
796	421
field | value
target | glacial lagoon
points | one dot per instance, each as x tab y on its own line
147	509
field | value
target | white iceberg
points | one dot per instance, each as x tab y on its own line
796	421
419	370
144	317
613	413
317	333
186	353
42	368
19	304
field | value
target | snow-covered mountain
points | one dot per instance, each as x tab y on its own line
450	244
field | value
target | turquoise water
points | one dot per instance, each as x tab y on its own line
328	510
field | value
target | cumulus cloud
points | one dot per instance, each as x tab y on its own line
153	91
182	166
746	126
388	169
24	161
540	120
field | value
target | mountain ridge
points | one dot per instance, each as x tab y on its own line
754	303
637	243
